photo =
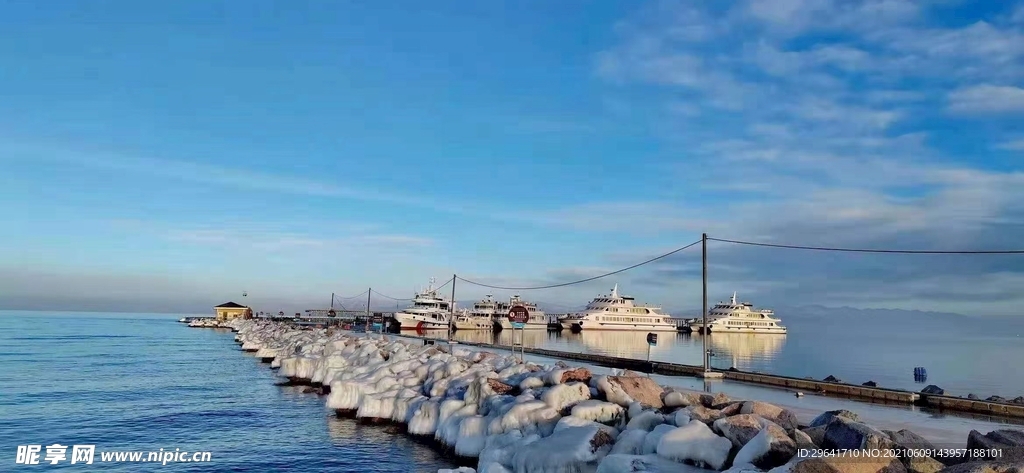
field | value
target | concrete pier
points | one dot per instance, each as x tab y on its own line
856	392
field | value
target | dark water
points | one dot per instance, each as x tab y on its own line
961	356
143	382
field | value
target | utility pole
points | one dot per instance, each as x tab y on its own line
707	332
451	309
332	300
704	310
369	291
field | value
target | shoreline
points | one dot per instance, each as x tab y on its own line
492	407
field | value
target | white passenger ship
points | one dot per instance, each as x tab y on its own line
617	312
739	317
538	319
428	311
481	317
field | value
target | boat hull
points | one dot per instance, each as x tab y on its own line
419	322
592	326
485	324
504	324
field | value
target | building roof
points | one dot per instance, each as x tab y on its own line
230	305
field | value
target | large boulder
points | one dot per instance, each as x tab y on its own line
703	414
582	375
695	443
679	399
817	434
843	433
741	428
906	439
1010	443
826	417
933	389
803	441
783	417
770	448
639	389
571	449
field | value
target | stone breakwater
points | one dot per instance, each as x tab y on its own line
510	416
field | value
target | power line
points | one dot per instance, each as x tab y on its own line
870	250
438	288
656	258
336	297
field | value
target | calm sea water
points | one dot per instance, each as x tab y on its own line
144	382
978	356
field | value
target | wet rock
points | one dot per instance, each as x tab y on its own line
703	414
562	365
679	399
582	375
770	448
832	379
972	396
730	409
996	399
641	389
739	429
498	387
826	417
784	418
817	434
1010	443
804	441
985	467
845	433
713	401
915	464
922	464
1018	400
844	465
933	389
870	384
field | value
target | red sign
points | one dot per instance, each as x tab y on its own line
518	314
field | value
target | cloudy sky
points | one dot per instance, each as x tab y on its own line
167	157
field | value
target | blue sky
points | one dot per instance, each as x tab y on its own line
169	156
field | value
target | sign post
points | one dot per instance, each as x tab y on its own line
518	315
651	341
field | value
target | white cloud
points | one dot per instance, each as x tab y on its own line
1015	145
823	142
987	98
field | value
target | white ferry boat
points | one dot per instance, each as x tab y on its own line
428	311
481	317
617	312
739	317
538	319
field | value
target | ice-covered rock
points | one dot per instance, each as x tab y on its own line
695	442
619	463
653	437
562	396
770	448
646	420
567	450
599	411
630	442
